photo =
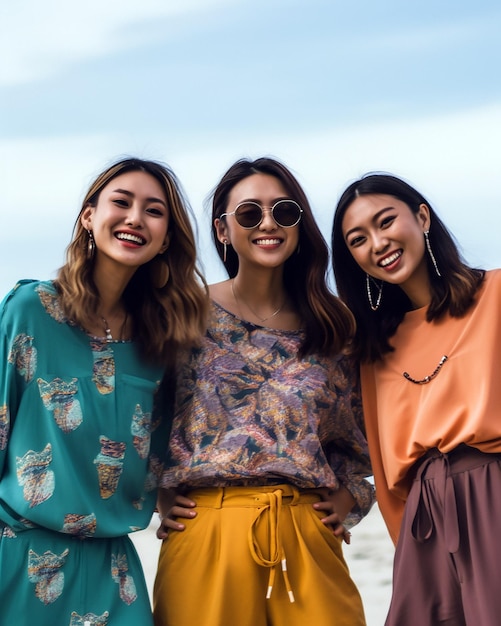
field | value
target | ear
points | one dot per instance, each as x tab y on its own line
221	230
86	217
423	216
165	244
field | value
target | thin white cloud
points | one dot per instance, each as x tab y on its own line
446	33
41	38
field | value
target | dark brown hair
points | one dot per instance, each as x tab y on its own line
327	322
453	292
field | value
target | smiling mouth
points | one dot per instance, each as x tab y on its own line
390	259
132	238
268	242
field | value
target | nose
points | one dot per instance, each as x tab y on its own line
268	221
379	242
134	217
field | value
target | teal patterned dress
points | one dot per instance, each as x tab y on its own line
78	468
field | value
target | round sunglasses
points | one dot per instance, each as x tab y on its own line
286	213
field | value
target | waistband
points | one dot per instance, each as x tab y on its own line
220	497
461	459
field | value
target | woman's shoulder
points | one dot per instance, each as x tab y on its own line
26	291
27	298
491	283
493	275
221	295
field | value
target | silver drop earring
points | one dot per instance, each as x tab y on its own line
225	247
373	306
91	246
430	251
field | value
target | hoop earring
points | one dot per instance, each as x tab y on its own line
225	247
91	245
373	306
430	252
160	273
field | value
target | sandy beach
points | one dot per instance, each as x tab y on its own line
369	557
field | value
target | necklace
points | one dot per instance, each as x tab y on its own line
261	319
426	379
107	330
373	306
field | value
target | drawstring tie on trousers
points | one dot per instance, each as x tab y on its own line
277	553
419	502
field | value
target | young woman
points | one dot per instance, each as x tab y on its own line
81	357
267	444
427	336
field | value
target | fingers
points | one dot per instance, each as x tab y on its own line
162	531
333	520
337	527
323	505
179	510
184	502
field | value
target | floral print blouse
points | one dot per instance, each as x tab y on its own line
249	412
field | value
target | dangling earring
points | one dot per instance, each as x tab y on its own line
373	306
430	251
91	245
160	273
225	247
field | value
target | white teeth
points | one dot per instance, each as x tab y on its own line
267	242
390	259
129	237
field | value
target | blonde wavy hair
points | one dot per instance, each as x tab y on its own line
165	318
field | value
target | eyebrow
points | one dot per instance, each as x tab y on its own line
256	201
131	195
375	217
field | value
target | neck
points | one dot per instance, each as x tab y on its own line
110	285
265	287
112	317
418	289
263	299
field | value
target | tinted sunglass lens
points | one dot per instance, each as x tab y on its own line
286	213
248	215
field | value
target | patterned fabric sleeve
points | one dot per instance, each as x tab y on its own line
17	364
346	447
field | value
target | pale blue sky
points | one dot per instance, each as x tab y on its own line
333	89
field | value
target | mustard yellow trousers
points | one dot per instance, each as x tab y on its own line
255	557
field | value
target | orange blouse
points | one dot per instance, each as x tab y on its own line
461	404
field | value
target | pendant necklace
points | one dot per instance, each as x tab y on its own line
107	330
261	319
426	379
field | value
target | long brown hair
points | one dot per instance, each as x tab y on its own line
453	292
164	318
327	322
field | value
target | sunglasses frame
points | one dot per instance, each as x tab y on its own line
262	208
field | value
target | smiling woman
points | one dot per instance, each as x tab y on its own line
378	229
267	452
429	359
129	226
81	358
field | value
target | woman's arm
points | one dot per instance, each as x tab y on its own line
346	448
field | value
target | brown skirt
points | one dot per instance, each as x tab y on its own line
447	567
